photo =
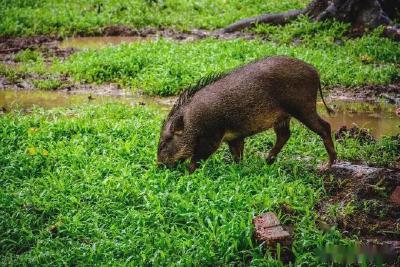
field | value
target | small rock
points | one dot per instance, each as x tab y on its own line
268	219
339	42
395	196
297	41
268	230
347	170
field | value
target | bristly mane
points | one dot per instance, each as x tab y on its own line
190	91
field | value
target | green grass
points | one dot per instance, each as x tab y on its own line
49	84
80	186
65	18
28	56
166	67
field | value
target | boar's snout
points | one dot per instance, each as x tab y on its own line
172	147
165	160
168	155
167	165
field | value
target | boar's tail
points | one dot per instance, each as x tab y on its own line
328	109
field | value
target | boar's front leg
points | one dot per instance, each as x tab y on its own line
282	132
204	148
236	147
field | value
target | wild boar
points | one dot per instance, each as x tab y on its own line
248	100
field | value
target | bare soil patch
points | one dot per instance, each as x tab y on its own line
47	45
169	33
390	93
14	44
360	204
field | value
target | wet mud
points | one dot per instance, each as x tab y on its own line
26	100
362	120
371	93
170	33
15	44
48	46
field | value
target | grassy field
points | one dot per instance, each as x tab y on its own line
80	186
166	67
87	17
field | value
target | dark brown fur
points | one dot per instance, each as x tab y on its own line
258	96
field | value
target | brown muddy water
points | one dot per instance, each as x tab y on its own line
97	42
379	118
26	100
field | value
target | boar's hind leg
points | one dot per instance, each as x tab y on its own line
316	124
282	132
236	147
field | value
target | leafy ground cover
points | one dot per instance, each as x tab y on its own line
65	18
80	186
165	67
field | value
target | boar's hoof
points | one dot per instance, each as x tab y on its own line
270	159
193	166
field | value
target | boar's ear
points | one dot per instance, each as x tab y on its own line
177	125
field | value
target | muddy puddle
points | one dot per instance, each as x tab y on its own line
379	118
97	42
26	100
115	35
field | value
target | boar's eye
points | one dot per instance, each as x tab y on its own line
162	146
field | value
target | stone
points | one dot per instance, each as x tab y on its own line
268	219
268	229
347	169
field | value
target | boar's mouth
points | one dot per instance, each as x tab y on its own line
170	165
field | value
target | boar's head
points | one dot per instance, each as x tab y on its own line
176	138
173	144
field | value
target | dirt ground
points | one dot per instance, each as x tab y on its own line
15	44
361	204
390	93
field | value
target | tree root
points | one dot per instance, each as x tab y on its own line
274	19
362	14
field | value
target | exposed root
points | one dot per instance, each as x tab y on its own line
362	14
275	19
